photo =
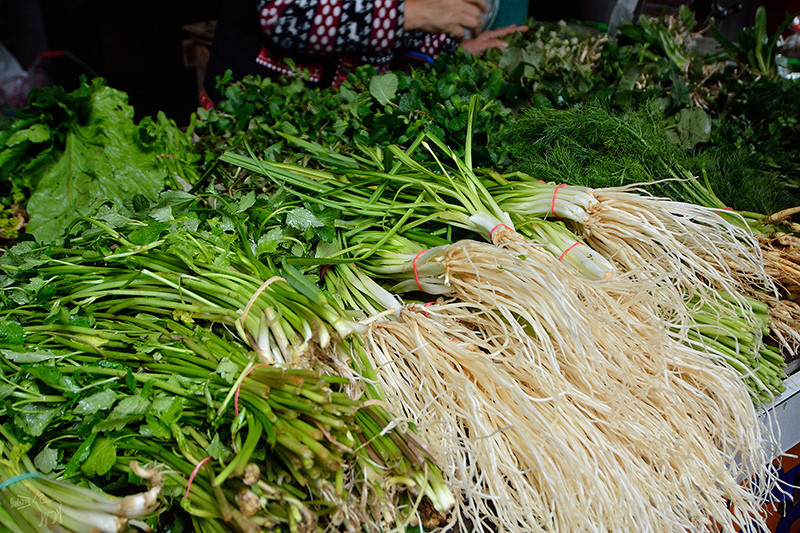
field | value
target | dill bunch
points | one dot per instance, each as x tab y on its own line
594	146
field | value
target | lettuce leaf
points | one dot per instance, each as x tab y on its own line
106	158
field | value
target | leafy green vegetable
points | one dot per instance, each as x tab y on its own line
754	47
383	87
75	151
594	146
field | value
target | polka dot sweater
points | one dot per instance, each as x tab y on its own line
371	30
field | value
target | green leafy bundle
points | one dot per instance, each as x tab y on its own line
66	153
154	342
368	109
591	145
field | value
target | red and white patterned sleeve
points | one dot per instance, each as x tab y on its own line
324	27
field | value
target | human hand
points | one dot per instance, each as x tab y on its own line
490	40
453	17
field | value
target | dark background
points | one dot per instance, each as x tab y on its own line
138	45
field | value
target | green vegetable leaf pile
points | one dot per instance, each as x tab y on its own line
74	151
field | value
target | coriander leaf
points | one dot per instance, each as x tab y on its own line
217	450
268	243
28	357
33	418
11	332
227	370
153	427
80	455
169	409
148	234
96	402
101	459
162	214
46	460
302	219
53	377
6	389
246	202
129	409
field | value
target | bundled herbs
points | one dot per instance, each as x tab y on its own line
522	340
165	353
593	146
334	320
368	109
33	502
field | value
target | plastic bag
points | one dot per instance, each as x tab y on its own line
16	82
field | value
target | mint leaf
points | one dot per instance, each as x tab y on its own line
693	126
383	87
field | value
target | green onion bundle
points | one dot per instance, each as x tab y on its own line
32	502
249	439
636	345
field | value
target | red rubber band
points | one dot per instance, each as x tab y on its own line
236	394
193	474
560	257
414	264
424	312
553	203
322	273
51	54
491	233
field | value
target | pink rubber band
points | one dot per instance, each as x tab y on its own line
322	273
236	394
193	474
553	203
414	264
560	257
424	312
491	233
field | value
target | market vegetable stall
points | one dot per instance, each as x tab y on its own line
392	321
